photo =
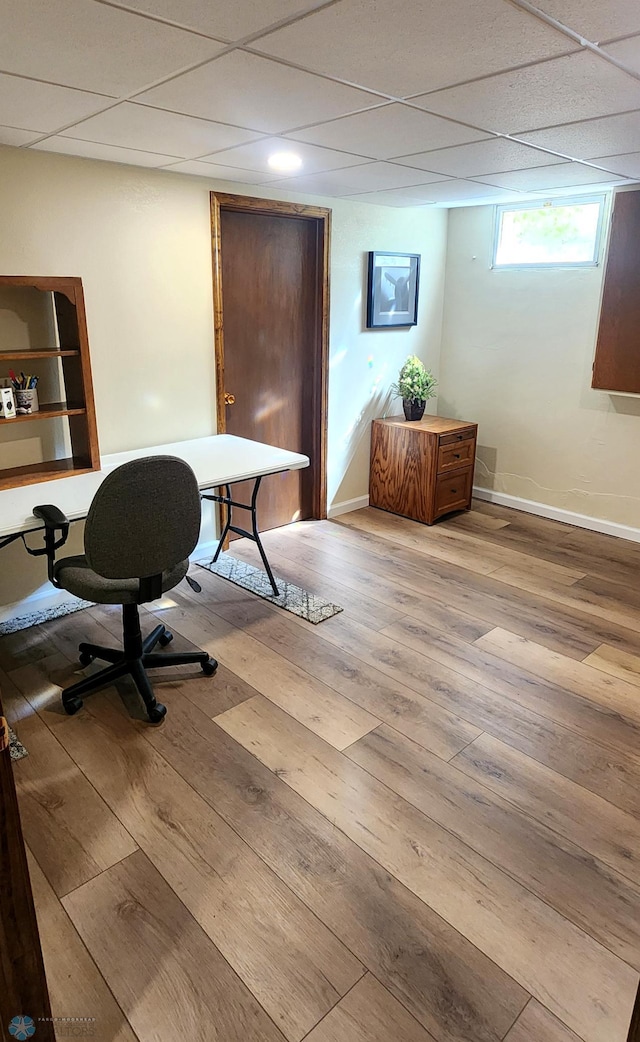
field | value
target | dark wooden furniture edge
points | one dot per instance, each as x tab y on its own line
634	1027
23	986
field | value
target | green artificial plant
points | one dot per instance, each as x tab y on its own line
415	382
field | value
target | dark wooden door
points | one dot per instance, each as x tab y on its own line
273	317
23	988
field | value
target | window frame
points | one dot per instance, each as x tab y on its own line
535	204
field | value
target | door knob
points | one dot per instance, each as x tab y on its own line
229	399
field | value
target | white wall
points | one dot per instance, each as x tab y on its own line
517	351
140	240
363	363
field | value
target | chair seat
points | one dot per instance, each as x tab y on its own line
75	575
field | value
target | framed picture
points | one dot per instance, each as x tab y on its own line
392	291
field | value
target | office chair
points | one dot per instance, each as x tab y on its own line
142	525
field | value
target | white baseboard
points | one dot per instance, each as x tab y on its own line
347	505
43	599
529	506
47	598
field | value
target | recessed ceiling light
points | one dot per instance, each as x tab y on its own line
285	162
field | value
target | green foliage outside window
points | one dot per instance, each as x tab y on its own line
562	233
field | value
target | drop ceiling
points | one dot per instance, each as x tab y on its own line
393	102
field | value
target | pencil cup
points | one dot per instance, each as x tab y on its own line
26	401
7	404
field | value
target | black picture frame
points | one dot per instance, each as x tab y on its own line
392	289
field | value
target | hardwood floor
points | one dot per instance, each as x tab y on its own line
418	821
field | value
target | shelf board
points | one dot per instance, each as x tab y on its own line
26	355
32	473
48	411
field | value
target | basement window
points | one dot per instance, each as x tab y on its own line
561	233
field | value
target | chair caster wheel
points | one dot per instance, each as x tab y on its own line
157	714
209	667
165	639
72	706
85	658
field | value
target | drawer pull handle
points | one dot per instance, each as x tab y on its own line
453	491
459	437
456	455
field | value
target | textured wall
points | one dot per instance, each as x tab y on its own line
517	351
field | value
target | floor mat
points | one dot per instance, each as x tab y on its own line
292	598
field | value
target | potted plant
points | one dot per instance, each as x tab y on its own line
415	386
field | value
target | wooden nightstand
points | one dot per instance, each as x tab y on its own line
422	469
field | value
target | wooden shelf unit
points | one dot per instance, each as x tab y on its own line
67	312
422	469
49	411
14	356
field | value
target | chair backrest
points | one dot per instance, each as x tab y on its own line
144	518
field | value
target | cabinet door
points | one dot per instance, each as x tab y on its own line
617	361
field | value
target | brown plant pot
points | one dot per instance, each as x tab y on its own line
413	409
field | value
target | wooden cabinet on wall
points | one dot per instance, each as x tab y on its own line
43	331
422	469
617	359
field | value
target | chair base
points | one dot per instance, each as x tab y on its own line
134	660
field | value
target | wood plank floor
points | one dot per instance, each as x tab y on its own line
418	821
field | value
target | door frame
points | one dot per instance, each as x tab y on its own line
321	215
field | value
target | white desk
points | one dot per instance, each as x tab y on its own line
219	460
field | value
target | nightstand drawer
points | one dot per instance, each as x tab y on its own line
453	491
455	455
453	439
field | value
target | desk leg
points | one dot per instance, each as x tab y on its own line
226	499
254	535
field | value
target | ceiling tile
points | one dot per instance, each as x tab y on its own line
15	137
136	126
542	177
90	45
225	173
392	130
495	155
406	47
255	156
627	51
250	91
395	197
628	164
575	87
595	19
375	176
110	153
27	103
369	178
444	192
315	184
608	135
576	191
230	21
461	190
